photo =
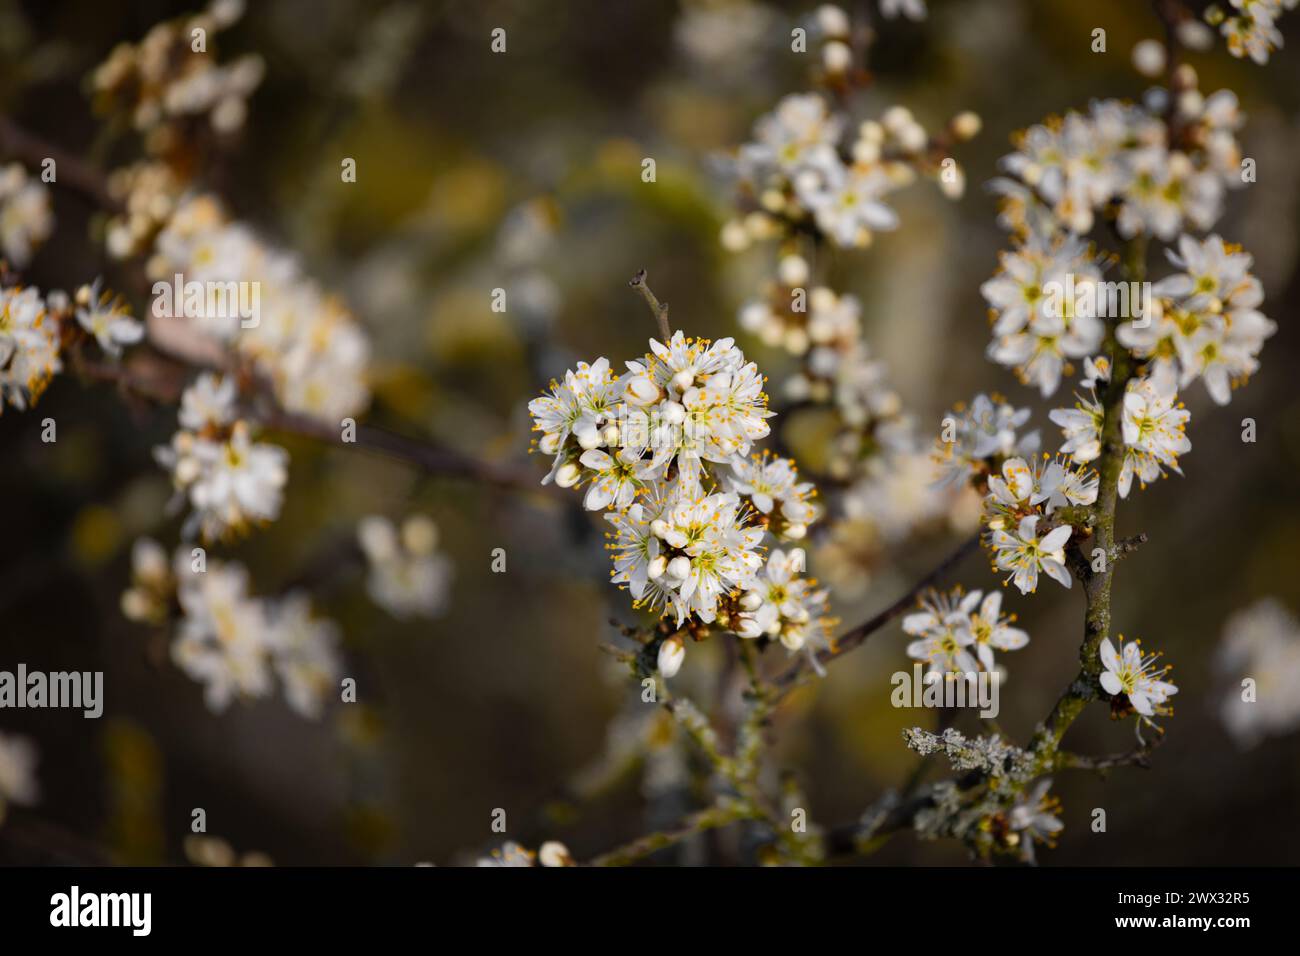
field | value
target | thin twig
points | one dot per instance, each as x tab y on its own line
659	309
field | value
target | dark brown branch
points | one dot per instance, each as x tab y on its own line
70	170
858	635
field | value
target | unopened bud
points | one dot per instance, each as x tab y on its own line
671	654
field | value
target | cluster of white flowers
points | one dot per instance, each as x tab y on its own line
229	481
664	449
1207	323
1077	166
974	440
801	171
29	346
228	640
306	342
510	853
148	192
1034	333
957	632
407	576
1260	643
17	772
26	219
172	76
1252	29
1128	674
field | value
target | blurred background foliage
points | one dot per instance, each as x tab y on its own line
478	171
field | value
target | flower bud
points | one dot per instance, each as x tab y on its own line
966	125
832	20
792	271
671	654
641	390
683	380
751	601
836	56
659	527
554	853
749	628
673	413
568	475
549	443
679	568
655	569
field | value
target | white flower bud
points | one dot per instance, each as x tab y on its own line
734	236
671	654
679	568
568	475
610	435
896	119
554	853
749	628
1149	58
641	390
913	137
966	125
683	380
673	413
753	315
866	152
792	271
659	527
751	601
655	569
549	443
836	56
832	20
796	341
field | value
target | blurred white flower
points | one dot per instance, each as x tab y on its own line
26	219
408	577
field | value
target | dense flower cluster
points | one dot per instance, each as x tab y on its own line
959	631
1251	26
805	168
171	78
664	449
226	639
1207	324
306	342
1122	159
26	219
229	481
29	346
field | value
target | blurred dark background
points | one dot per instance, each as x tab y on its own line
504	699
